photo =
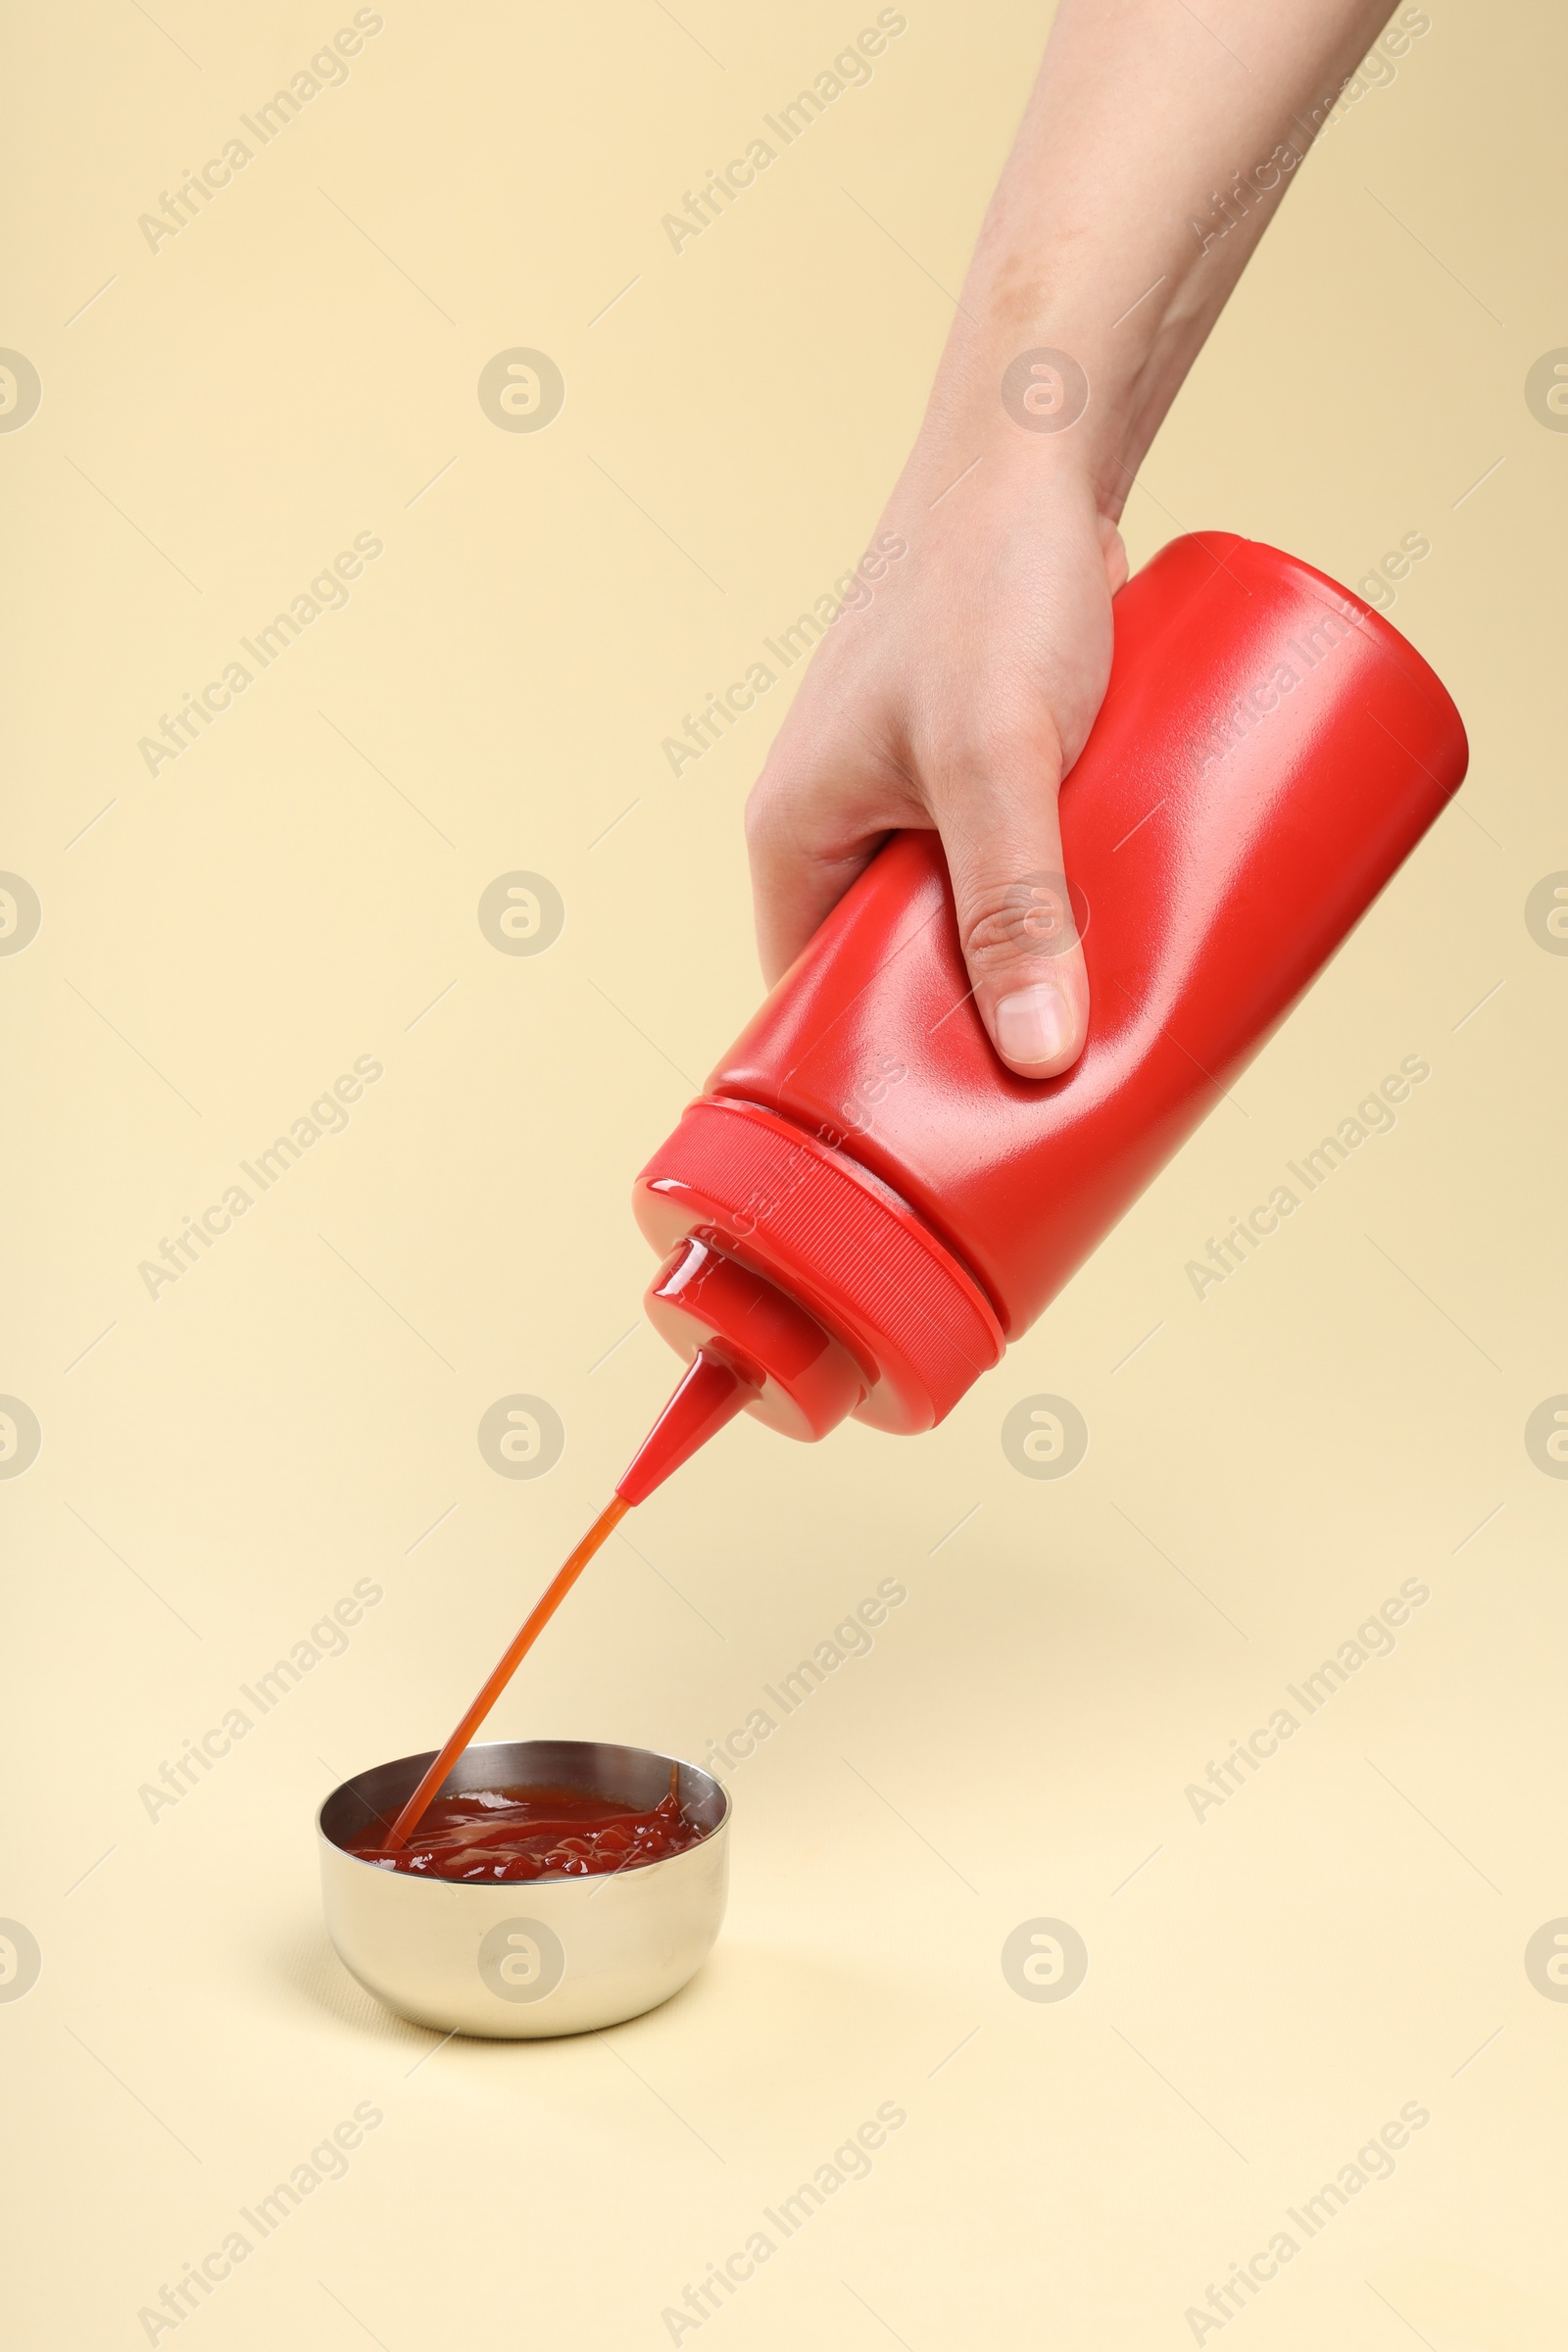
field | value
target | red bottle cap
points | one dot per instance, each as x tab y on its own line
849	1253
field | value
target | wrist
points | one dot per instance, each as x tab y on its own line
1034	420
1060	389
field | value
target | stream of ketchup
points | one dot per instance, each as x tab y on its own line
713	1390
534	1625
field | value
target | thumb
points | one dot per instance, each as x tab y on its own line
1016	925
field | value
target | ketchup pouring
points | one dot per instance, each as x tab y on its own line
863	1207
712	1391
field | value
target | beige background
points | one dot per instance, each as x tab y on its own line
1345	1935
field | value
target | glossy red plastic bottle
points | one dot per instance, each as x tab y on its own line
864	1206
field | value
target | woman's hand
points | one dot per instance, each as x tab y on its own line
957	696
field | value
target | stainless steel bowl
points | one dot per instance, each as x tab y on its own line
549	1956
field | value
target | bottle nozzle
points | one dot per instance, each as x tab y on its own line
713	1390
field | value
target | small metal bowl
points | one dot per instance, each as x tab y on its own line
548	1956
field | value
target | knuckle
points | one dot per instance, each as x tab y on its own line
756	818
1023	921
768	814
1005	744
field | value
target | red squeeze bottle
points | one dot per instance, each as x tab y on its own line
864	1206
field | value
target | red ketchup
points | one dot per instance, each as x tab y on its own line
863	1207
502	1837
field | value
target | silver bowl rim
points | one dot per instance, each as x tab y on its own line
557	1877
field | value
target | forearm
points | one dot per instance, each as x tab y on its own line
1153	154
